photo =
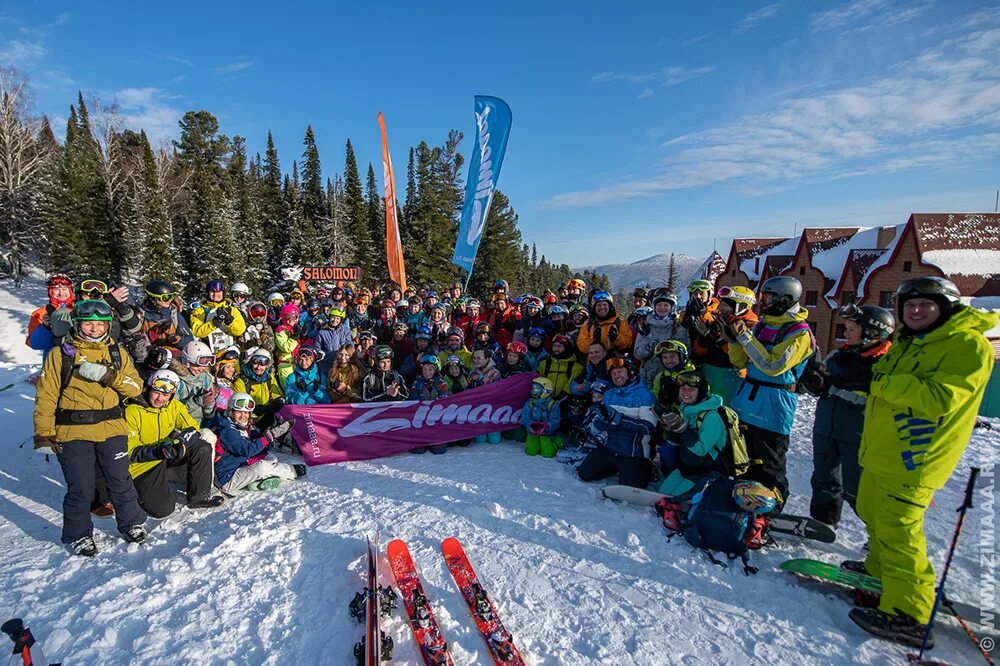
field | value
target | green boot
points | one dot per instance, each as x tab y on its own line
270	483
549	446
532	445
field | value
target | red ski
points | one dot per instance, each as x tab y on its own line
499	641
433	647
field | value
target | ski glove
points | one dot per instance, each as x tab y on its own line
643	329
695	307
279	430
172	450
538	428
736	328
674	422
605	412
815	379
96	372
43	441
224	316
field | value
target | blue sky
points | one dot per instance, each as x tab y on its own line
638	128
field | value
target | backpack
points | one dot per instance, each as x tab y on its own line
716	523
735	457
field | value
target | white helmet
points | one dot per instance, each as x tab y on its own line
198	353
258	351
239	288
240	402
276	295
163	381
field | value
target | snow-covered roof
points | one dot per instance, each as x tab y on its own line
890	249
965	261
851	253
753	260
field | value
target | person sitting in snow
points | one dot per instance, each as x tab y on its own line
258	380
430	385
672	358
226	370
484	371
242	449
166	447
344	379
623	425
197	389
540	417
306	385
383	384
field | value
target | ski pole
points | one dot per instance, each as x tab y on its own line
966	505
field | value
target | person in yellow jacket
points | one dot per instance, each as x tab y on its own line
216	315
923	399
78	416
165	447
605	326
258	380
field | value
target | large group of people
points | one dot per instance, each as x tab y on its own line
138	395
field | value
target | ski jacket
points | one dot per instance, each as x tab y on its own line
590	374
468	326
429	389
508	370
53	404
410	368
699	448
401	349
560	371
263	389
456	384
203	321
258	334
329	341
148	428
196	393
660	330
286	341
613	332
306	387
492	347
236	447
665	386
774	355
376	384
536	357
840	414
704	328
632	420
487	375
344	384
924	398
464	354
415	320
544	410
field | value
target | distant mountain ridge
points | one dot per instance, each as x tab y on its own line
651	271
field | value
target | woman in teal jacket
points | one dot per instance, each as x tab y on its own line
699	446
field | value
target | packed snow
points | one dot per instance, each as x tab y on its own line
267	578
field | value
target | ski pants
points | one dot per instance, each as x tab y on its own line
545	445
77	462
897	552
195	471
770	448
835	478
602	463
262	469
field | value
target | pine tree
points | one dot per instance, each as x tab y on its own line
157	261
354	214
375	217
339	246
251	257
410	205
672	277
308	249
269	208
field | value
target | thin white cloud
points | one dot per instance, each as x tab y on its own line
699	38
18	52
233	67
179	60
667	76
148	109
868	14
932	112
756	17
646	92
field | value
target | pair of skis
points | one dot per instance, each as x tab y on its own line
369	606
433	647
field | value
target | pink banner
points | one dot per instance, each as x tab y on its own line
361	431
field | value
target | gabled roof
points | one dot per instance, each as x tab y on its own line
965	246
776	264
754	258
748	248
838	256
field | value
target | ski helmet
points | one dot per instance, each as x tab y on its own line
198	353
239	289
694	379
675	346
876	323
289	309
259	355
160	290
943	292
275	298
91	310
423	332
700	285
158	358
383	352
755	497
214	285
644	311
536	332
541	387
312	304
60	280
241	402
665	297
163	381
740	299
482	327
785	292
500	286
367	335
601	295
557	310
401	326
517	347
454	360
257	310
430	359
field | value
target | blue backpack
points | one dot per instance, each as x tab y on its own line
716	523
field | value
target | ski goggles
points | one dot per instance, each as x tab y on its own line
849	311
601	296
690	379
305	352
242	404
88	286
258	312
91	310
163	385
615	362
258	359
228	356
163	298
277	301
205	361
59	280
667	347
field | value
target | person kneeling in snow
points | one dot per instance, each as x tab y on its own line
242	450
697	437
164	446
623	422
541	417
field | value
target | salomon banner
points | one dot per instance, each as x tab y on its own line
492	128
361	431
393	248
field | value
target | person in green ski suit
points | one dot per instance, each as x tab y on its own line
923	399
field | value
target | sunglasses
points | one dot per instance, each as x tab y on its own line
163	298
88	286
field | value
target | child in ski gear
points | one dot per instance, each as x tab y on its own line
258	380
923	398
672	357
415	316
532	318
605	326
622	422
455	346
165	447
430	385
700	320
484	340
735	304
456	375
422	345
437	320
560	367
344	380
484	371
306	385
536	347
332	337
384	384
197	389
276	301
286	339
697	434
259	333
243	462
401	342
840	410
503	320
217	315
659	326
239	293
516	362
61	297
774	353
540	417
468	323
226	370
79	417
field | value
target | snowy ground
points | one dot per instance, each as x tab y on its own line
267	579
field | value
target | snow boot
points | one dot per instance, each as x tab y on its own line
85	547
207	503
899	627
549	446
438	450
270	483
103	510
300	470
134	534
493	438
532	445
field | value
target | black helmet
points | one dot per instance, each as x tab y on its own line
943	292
786	292
160	288
383	351
876	323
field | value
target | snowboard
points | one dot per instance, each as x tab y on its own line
498	640
854	580
433	647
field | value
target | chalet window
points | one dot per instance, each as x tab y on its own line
887	299
847	297
802	270
811	298
907	266
840	332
